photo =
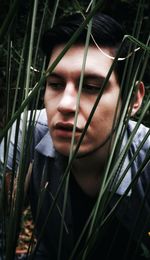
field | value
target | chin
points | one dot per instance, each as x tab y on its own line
65	150
62	149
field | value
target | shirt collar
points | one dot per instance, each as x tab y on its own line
46	147
127	178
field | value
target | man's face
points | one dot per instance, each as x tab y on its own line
61	99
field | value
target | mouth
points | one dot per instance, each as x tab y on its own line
64	130
66	127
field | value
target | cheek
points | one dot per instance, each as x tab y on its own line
49	106
104	114
49	100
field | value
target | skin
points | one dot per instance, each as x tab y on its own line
61	103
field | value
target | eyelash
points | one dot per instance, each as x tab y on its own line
91	89
86	88
55	85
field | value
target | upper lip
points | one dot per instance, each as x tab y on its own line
66	126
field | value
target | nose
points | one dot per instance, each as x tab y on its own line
67	102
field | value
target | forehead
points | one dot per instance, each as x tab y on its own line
97	60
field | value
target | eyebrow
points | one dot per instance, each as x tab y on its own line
87	76
55	75
94	77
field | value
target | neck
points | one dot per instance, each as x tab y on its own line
88	172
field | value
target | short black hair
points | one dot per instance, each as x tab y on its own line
106	31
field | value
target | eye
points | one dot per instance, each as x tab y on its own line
55	85
90	88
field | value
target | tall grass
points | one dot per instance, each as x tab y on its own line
25	78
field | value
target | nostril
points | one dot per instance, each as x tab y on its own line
66	109
67	106
68	100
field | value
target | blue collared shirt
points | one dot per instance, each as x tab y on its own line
44	145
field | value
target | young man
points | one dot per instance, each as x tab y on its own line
123	235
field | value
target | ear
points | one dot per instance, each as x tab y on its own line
138	98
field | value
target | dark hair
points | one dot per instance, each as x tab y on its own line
106	31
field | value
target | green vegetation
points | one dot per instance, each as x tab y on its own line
21	89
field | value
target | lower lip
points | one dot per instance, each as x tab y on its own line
64	133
